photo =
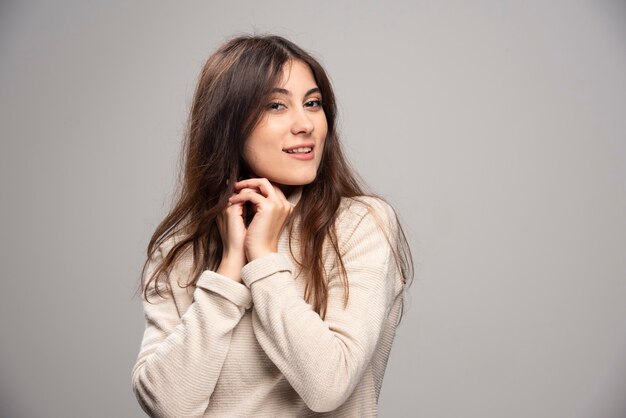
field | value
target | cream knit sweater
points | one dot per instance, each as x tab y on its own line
257	349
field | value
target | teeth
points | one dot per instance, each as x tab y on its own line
300	150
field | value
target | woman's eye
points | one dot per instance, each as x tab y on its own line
313	103
275	106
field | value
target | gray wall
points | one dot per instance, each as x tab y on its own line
497	129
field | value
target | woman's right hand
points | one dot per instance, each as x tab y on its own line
232	228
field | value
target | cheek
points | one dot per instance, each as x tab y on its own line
253	146
258	154
248	152
324	133
323	127
252	155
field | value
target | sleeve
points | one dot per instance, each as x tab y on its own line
181	356
324	360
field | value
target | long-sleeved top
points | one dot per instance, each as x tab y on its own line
257	348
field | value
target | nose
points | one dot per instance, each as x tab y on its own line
302	123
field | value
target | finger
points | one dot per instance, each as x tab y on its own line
241	202
263	184
248	189
235	209
248	196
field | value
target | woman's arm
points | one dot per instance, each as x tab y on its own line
324	360
181	356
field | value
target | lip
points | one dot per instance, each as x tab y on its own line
304	145
301	156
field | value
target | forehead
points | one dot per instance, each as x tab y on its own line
296	74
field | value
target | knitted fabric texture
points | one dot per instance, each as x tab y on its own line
257	348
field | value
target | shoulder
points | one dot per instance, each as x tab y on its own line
365	215
360	208
180	267
167	245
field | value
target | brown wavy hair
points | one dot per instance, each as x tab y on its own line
227	104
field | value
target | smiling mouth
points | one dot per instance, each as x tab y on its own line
300	150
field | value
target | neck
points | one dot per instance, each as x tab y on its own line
287	190
292	193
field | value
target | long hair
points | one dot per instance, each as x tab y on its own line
226	106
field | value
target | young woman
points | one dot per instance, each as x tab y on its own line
274	286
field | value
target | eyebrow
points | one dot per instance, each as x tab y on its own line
288	93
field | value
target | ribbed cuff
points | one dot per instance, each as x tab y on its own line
235	292
265	266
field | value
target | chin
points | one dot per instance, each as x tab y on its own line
294	181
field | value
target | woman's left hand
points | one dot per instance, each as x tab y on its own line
271	213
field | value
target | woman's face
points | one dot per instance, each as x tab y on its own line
286	144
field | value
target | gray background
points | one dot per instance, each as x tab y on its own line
496	128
